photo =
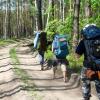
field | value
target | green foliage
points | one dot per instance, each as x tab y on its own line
49	54
6	42
73	62
14	56
95	20
59	26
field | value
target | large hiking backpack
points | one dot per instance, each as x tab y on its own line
91	35
60	46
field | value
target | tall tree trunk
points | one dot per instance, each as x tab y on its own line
76	22
70	8
48	15
39	14
53	15
5	25
2	20
62	10
17	17
87	9
9	19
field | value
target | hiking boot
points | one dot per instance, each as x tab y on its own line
86	98
42	69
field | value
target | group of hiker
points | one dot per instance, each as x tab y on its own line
89	46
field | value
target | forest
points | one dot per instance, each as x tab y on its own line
29	73
20	18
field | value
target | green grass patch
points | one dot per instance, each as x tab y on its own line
20	72
49	54
6	42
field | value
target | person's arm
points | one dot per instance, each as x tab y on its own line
79	50
52	48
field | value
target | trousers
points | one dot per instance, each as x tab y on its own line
86	84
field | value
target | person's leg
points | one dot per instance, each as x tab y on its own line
41	59
64	65
64	71
97	84
54	67
86	87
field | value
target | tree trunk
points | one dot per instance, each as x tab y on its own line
39	14
5	25
62	10
87	9
48	15
76	22
53	15
17	17
36	20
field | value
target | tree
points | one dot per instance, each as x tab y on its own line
39	14
76	22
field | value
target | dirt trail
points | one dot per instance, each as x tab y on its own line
45	87
10	85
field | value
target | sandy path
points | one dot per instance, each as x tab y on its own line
10	85
48	88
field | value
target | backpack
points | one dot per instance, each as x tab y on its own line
36	39
92	44
60	46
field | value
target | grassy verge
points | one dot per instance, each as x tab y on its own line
20	72
23	75
6	42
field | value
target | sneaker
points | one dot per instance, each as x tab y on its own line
65	80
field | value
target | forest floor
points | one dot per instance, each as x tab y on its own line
25	81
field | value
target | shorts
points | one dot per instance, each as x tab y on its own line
60	62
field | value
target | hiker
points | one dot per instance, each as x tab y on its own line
41	44
60	50
89	46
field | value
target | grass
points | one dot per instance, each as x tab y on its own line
23	75
75	64
6	42
20	72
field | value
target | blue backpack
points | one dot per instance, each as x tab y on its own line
91	35
36	39
60	46
91	31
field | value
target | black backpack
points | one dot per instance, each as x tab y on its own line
92	44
